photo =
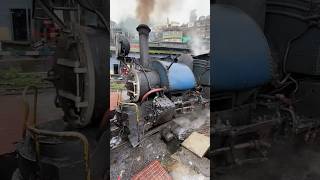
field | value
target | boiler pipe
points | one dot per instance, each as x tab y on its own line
144	31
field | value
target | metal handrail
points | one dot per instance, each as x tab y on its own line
38	132
136	107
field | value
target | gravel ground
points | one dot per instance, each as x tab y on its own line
127	160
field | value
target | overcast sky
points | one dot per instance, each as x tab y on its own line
179	10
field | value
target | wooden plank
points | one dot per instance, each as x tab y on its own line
197	143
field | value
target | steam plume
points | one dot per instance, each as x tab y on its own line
146	8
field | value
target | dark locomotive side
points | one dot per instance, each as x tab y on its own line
264	80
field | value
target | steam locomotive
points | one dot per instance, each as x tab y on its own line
159	89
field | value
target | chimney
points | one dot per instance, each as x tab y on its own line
144	31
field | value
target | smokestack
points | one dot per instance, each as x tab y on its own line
144	31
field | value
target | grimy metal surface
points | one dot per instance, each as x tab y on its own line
98	40
256	9
80	76
292	28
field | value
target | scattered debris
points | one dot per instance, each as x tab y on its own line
138	158
195	121
173	145
179	171
197	143
149	145
167	134
180	132
192	161
123	156
115	141
121	173
167	150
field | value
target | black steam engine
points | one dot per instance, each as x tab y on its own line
159	89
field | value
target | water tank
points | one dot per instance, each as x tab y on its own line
174	76
240	55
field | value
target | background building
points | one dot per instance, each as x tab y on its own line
17	23
14	24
